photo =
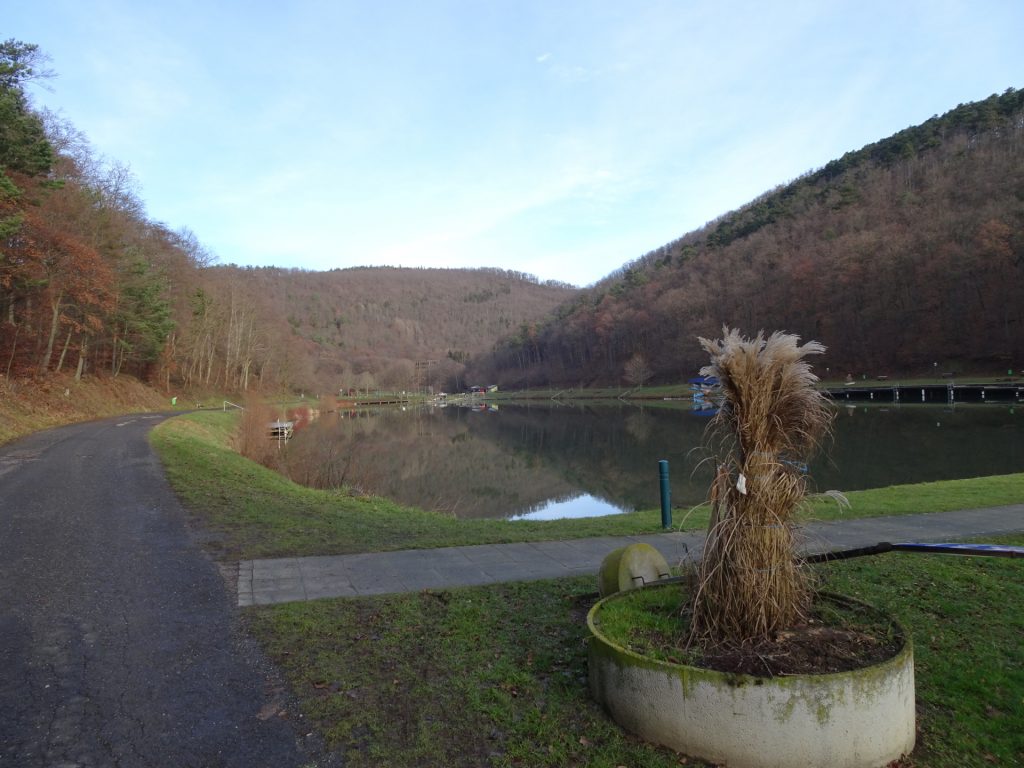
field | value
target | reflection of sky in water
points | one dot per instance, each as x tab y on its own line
581	506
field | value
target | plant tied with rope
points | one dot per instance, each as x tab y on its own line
749	585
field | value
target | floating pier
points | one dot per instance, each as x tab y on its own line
281	430
929	393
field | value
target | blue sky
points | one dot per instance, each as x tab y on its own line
558	138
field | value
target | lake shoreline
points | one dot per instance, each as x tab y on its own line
248	512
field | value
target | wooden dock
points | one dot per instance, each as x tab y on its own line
281	430
929	393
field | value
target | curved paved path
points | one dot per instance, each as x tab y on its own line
282	580
118	637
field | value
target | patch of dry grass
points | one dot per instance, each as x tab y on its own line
253	437
29	405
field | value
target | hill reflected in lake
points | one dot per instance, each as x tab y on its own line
577	460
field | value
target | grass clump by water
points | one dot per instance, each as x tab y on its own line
497	676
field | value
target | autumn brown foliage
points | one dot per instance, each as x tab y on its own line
387	328
253	438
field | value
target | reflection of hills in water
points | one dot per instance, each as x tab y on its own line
434	459
878	446
519	459
609	451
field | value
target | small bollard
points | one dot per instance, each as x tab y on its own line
666	495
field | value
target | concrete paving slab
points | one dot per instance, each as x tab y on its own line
571	557
279	563
596	547
319	590
426	580
271	571
515	572
488	553
444	578
330	591
520	551
279	595
370	580
326	565
276	585
384	587
458	572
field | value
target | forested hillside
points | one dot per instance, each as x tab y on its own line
904	254
86	281
391	327
90	285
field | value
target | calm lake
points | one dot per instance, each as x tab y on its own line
546	461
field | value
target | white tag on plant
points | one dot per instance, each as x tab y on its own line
741	484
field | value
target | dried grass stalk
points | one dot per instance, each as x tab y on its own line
253	437
748	583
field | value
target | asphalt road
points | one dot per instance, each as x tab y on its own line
119	642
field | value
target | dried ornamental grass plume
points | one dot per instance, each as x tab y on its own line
749	585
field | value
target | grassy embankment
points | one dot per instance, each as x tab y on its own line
34	404
258	513
381	677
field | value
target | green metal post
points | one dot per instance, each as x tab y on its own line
666	495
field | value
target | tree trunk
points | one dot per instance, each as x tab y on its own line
82	350
14	346
44	362
64	352
118	360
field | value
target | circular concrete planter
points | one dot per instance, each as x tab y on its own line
858	719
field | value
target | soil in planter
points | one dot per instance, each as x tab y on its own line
837	637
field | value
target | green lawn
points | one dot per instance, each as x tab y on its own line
496	676
252	512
